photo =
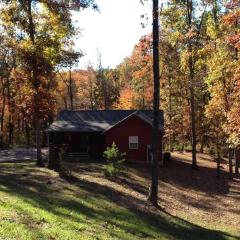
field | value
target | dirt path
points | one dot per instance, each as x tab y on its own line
20	154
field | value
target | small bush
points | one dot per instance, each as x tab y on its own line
114	161
110	171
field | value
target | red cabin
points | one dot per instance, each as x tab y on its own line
88	133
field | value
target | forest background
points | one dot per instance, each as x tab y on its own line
199	62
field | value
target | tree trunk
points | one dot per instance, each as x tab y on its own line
202	143
38	134
27	134
143	95
53	161
191	87
70	89
237	160
65	103
153	194
230	163
91	93
91	98
170	114
105	95
2	113
182	128
192	105
218	163
10	115
36	85
10	129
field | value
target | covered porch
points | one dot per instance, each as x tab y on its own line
91	144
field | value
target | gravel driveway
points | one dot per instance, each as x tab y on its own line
20	154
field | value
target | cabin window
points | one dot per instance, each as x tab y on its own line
133	142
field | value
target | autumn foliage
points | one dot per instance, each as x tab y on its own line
214	40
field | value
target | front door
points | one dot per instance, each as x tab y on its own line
83	142
80	142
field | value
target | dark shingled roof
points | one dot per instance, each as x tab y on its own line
97	120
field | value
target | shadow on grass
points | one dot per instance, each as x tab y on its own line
180	174
130	217
202	183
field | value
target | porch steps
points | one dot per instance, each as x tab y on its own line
76	156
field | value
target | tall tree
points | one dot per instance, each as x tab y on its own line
232	37
153	194
191	80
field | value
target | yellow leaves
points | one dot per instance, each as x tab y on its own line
184	60
212	31
8	13
49	22
224	86
126	99
26	45
176	37
215	113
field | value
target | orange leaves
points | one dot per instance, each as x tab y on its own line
126	99
233	126
140	74
23	95
232	20
234	40
191	32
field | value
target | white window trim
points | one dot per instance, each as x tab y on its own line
133	140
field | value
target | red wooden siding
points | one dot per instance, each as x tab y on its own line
133	126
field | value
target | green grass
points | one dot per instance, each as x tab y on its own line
36	204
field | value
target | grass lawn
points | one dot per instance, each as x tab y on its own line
36	204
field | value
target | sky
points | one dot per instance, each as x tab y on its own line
113	31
